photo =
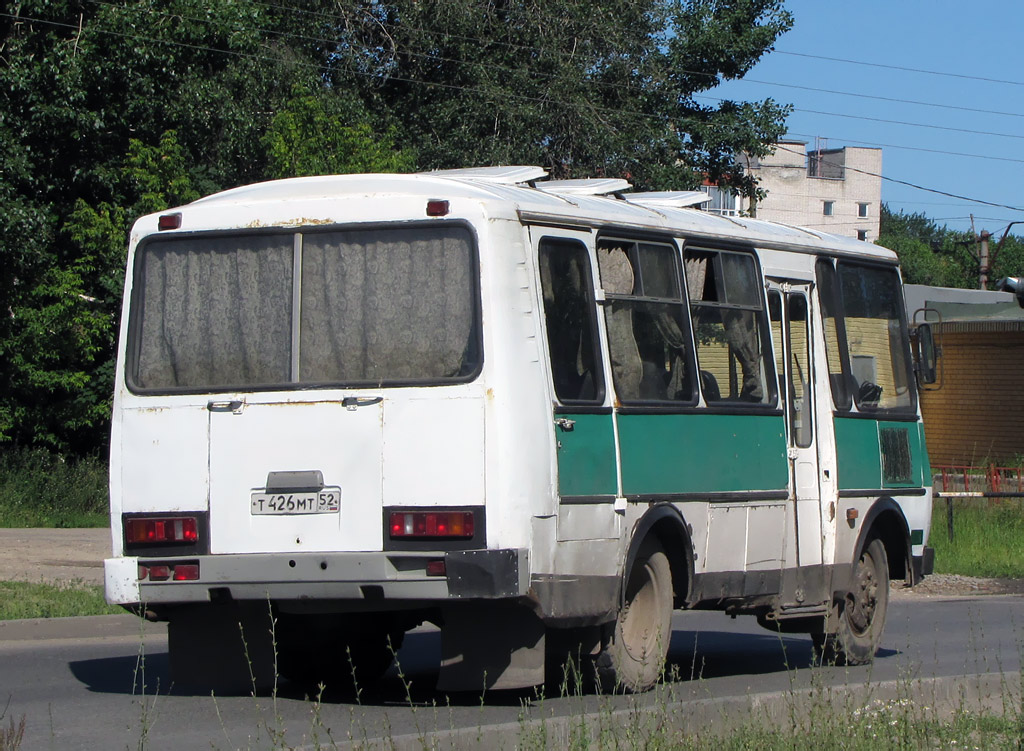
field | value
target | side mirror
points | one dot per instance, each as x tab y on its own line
1012	284
925	354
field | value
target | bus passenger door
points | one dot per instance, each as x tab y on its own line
789	308
584	424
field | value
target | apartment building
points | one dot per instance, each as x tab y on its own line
832	190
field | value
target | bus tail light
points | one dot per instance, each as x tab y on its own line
184	572
161	572
153	530
423	525
169	221
437	207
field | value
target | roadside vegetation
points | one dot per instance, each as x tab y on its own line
988	537
41	489
63	600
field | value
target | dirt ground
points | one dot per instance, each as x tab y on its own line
48	555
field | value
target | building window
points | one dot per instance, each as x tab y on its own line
722	201
862	234
828	208
862	209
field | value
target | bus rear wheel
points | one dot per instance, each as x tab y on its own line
634	657
862	613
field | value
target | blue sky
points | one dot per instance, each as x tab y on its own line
980	40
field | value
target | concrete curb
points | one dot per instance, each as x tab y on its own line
936	697
80	627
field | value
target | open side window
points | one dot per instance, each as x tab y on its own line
730	327
571	321
645	316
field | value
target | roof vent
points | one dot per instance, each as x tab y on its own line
598	186
504	175
674	199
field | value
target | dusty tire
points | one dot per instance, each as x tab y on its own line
862	613
634	657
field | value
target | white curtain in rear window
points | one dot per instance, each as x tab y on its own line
215	312
387	305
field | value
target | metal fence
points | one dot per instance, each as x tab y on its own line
962	481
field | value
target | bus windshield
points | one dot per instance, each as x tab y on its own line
284	310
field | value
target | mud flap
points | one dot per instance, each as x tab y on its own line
227	649
491	645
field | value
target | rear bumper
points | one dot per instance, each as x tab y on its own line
361	577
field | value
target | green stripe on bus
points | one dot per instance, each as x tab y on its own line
859	454
696	453
586	456
916	536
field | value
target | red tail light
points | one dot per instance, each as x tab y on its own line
186	572
179	572
169	221
437	207
161	530
450	525
159	573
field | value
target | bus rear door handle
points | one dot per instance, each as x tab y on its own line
233	406
351	403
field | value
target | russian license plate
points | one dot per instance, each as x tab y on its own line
326	501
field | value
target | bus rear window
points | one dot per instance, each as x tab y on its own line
345	307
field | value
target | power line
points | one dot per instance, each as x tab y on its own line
899	67
918	187
390	77
913	148
880	98
530	48
890	122
605	84
532	99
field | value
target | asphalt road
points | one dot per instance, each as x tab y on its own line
103	683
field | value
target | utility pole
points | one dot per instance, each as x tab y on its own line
983	264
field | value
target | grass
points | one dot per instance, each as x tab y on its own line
41	489
988	538
30	600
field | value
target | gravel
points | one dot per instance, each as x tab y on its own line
958	585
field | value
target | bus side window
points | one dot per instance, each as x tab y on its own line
835	335
730	327
876	336
648	335
570	320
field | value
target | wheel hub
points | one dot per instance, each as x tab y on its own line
861	602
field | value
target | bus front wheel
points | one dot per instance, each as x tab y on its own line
634	657
861	617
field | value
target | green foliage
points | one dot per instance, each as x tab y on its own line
65	600
938	256
582	87
112	110
988	538
313	135
40	489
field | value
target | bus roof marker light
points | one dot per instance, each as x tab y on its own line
169	221
437	207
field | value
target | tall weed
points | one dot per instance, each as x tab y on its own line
42	489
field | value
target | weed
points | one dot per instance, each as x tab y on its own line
42	489
38	600
11	736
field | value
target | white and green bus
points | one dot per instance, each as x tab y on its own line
542	415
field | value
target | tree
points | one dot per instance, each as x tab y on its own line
314	135
109	110
582	87
928	253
